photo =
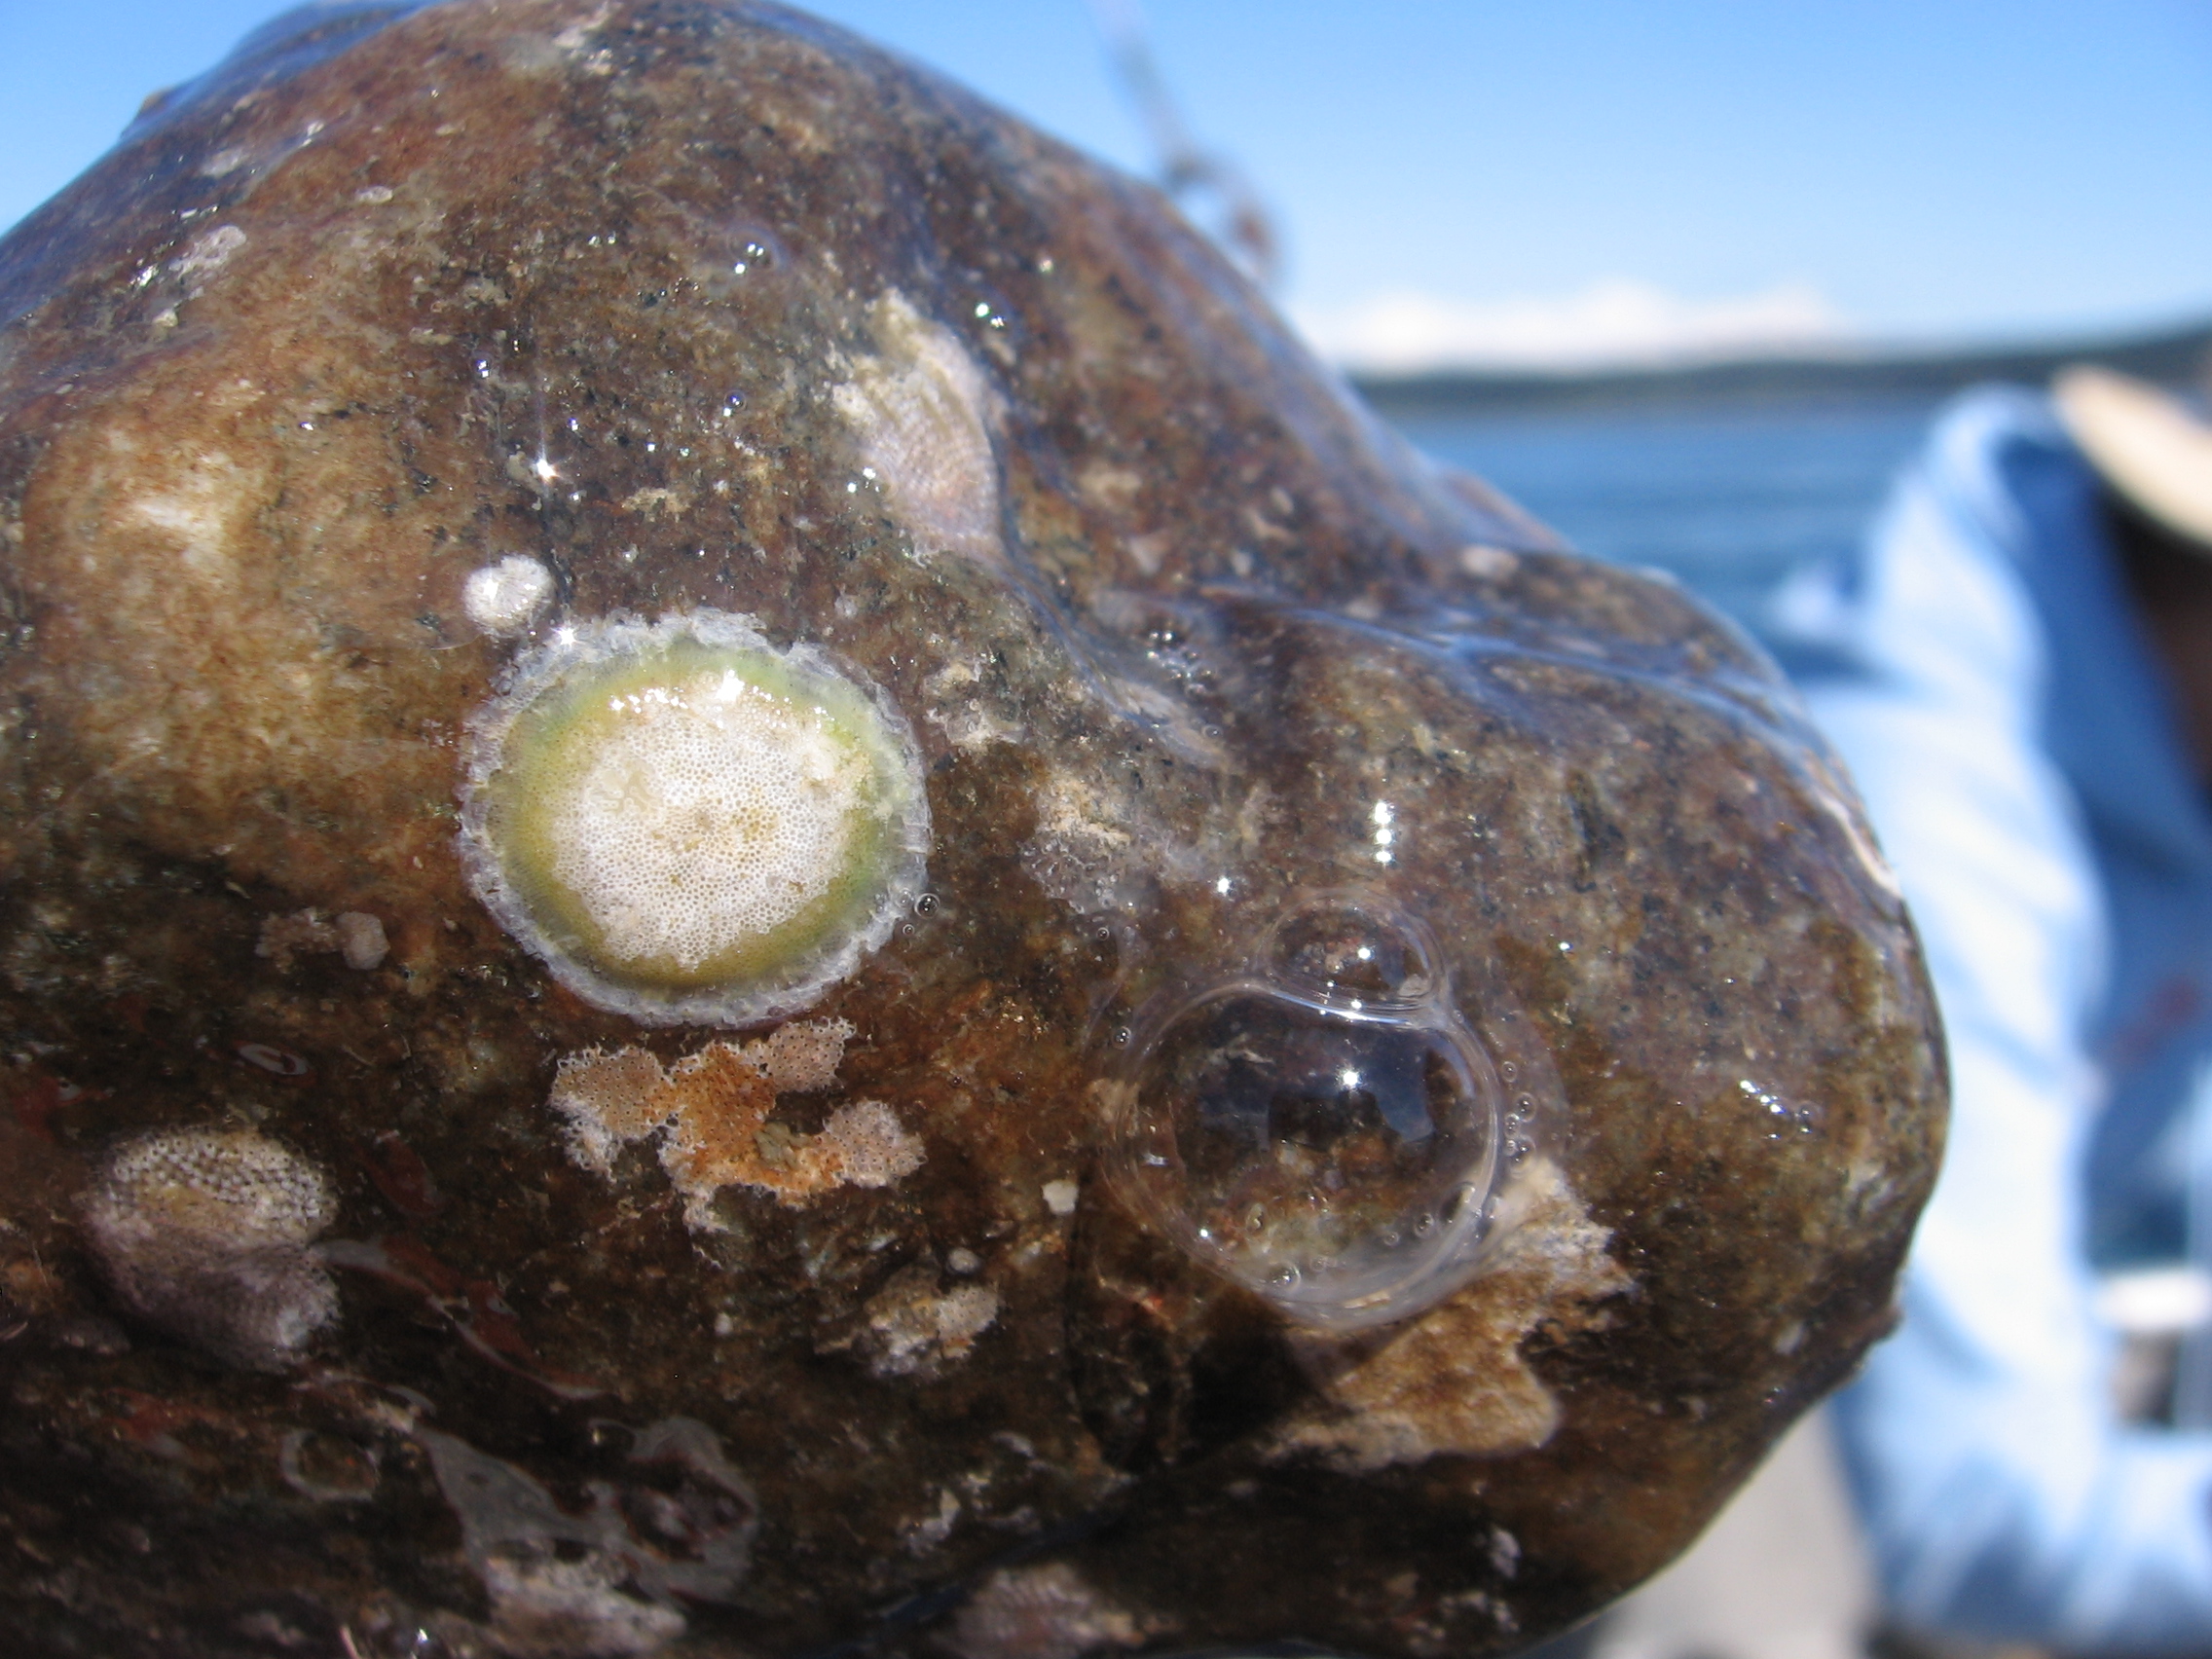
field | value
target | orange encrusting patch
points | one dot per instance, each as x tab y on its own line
720	1136
716	1107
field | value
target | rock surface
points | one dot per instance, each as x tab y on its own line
1401	1077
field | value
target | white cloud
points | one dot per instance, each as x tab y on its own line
1616	323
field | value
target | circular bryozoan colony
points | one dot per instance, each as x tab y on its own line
205	1231
1324	1130
688	825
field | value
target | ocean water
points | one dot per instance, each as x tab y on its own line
1729	500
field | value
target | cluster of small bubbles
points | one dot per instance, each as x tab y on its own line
1515	1127
752	254
1323	1128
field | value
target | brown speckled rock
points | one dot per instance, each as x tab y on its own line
763	888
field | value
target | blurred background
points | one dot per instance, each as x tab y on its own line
1686	276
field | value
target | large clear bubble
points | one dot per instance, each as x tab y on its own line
1324	1128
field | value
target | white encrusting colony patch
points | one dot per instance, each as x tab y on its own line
1044	1611
730	793
354	934
689	825
915	1328
506	598
711	1113
206	255
922	413
1454	1381
205	1233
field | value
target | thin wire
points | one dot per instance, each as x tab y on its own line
1191	174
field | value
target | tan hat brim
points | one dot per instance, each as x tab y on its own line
2145	443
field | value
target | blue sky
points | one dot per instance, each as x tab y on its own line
1478	171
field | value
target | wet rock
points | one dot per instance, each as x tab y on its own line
934	954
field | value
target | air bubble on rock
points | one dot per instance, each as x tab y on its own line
1315	1131
1351	951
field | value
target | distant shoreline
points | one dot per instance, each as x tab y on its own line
2172	356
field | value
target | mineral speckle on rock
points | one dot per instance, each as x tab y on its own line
1291	1063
